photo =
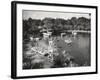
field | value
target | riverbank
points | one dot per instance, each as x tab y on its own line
79	31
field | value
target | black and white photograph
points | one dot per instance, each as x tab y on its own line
56	39
53	39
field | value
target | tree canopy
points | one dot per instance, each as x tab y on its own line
33	26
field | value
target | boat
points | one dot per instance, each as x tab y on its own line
68	41
74	33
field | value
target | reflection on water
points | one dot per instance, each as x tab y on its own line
79	48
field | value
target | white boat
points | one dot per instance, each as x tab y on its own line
74	33
68	41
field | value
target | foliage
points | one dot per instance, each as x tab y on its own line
32	27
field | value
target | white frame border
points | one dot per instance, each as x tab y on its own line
36	72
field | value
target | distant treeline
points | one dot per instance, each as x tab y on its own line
35	25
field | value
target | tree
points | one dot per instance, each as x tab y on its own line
48	23
59	24
74	22
86	23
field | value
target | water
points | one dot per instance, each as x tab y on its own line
79	48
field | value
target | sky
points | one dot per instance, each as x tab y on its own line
42	14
